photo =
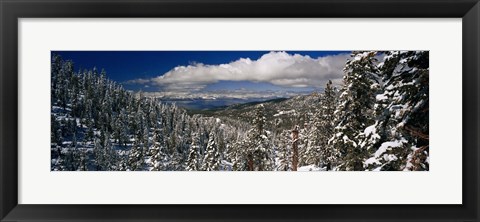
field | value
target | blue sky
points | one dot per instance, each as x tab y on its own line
206	71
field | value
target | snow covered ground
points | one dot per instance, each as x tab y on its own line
311	168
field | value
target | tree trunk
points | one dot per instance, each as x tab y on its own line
250	162
295	149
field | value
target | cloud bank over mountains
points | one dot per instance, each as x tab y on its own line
277	68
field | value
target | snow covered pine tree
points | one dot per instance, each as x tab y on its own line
399	138
355	109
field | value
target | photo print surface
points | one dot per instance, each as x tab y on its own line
240	110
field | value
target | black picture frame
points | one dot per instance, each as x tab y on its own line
10	10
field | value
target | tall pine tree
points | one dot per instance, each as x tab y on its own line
211	161
399	138
355	109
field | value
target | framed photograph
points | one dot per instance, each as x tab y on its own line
225	110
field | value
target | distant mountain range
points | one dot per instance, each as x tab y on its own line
202	104
280	112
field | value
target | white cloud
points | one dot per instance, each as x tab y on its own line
277	68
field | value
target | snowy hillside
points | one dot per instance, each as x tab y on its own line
377	120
